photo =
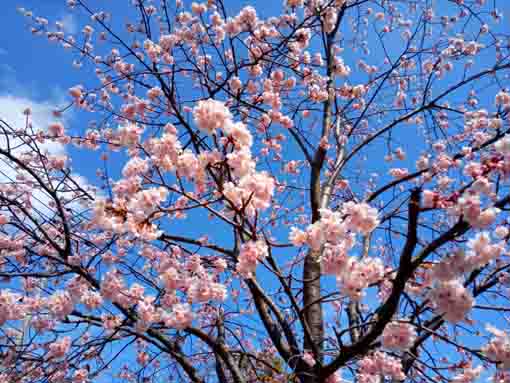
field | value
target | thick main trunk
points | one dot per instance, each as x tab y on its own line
312	269
312	293
319	199
313	313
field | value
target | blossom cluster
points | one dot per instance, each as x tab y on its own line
335	227
468	375
452	300
10	307
133	206
498	349
254	190
133	279
481	250
449	295
335	233
378	364
398	335
250	254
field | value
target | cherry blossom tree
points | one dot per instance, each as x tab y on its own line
312	196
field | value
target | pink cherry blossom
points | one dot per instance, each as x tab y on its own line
399	336
296	192
452	300
250	254
210	115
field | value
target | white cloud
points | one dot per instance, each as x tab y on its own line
11	112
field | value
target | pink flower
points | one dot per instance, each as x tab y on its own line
335	259
4	219
154	93
250	255
468	375
91	299
60	304
235	84
76	92
308	358
204	289
10	308
171	278
188	164
358	275
292	167
254	192
451	267
503	145
135	166
334	378
502	98
240	134
57	162
259	187
398	172
340	68
142	358
452	300
59	348
379	363
498	349
361	217
56	129
398	336
180	317
294	3
501	232
482	250
486	218
129	134
210	115
430	198
241	162
147	313
80	376
220	264
112	285
298	237
111	322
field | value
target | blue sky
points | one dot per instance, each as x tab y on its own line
41	69
34	72
37	73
